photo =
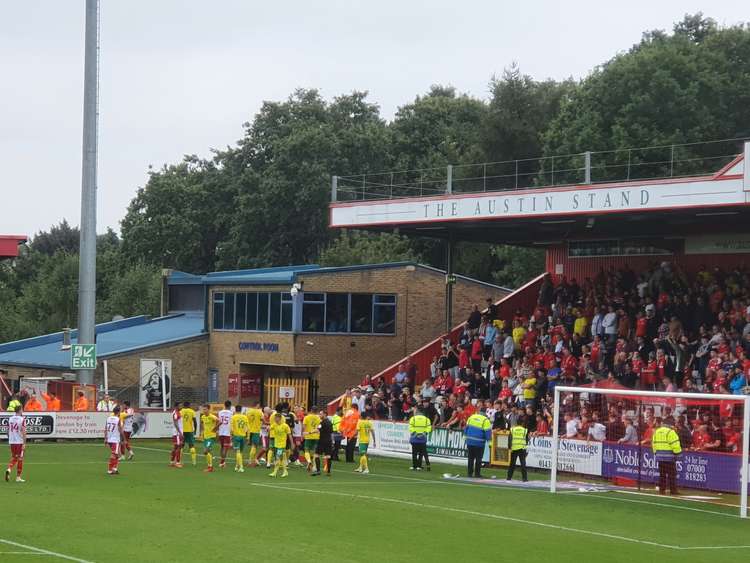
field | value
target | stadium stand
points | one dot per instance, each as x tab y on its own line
662	329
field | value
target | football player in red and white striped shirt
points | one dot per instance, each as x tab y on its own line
17	442
175	459
113	439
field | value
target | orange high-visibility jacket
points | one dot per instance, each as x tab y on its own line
349	423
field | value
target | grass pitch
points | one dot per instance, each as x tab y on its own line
70	509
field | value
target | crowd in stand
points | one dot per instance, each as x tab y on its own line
661	330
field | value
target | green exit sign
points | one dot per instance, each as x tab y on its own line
83	356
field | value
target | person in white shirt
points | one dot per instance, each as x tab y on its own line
113	437
106	404
17	443
428	391
224	431
571	426
631	435
597	432
358	399
609	324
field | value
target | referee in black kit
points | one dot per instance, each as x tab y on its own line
325	445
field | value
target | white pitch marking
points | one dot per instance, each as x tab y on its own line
471	513
41	551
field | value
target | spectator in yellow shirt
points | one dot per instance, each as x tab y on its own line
519	333
529	390
580	324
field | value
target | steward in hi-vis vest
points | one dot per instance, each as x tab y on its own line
519	439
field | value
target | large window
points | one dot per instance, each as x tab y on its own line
352	313
314	312
256	311
616	247
330	313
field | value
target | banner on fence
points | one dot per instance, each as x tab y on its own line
577	456
695	470
82	425
443	443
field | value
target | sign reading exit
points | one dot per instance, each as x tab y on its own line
83	356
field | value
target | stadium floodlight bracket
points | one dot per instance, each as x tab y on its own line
743	399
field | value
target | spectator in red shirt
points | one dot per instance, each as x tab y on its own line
444	383
505	392
731	437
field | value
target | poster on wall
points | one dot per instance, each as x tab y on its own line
155	386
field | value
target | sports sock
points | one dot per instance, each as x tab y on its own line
193	455
209	459
253	451
238	457
285	459
329	462
268	458
307	457
317	464
178	455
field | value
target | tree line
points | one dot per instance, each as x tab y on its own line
262	201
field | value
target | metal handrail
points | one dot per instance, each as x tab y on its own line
541	172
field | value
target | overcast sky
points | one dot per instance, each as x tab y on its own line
181	76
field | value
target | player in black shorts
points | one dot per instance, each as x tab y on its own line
325	445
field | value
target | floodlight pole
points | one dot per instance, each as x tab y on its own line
87	253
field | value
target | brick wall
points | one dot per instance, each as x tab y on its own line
189	371
342	360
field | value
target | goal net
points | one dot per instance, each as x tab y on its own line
692	445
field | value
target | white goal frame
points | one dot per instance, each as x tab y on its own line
742	399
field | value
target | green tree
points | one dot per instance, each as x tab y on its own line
357	247
518	265
689	86
137	291
181	216
283	166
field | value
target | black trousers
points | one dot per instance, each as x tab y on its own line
475	460
336	445
667	477
419	453
515	456
351	443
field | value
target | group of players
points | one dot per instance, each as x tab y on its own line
275	438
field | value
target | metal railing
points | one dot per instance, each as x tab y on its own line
632	164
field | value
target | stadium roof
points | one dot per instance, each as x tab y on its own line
286	275
9	245
661	192
112	339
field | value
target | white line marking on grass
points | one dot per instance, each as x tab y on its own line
25	553
40	551
499	517
676	498
470	513
662	504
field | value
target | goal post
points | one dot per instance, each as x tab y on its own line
614	428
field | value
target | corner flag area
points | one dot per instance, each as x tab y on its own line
152	512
